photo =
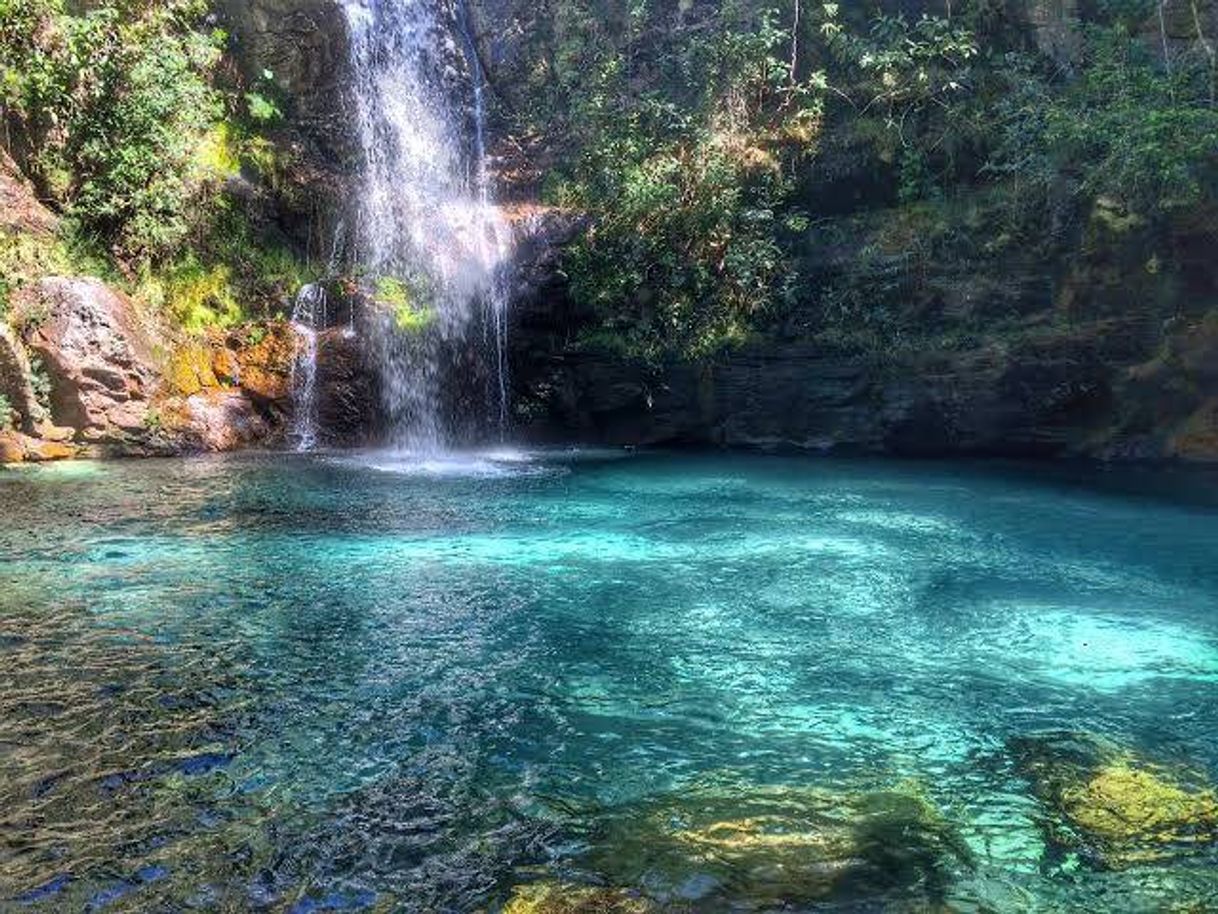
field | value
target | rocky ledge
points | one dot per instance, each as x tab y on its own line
1086	393
84	374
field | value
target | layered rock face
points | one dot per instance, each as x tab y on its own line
1048	397
109	391
1111	388
98	359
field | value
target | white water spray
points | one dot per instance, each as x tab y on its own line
308	317
428	231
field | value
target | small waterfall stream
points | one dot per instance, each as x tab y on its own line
308	318
430	243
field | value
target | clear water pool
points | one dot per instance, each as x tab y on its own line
366	683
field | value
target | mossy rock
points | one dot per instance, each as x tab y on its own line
1116	808
749	846
191	370
562	898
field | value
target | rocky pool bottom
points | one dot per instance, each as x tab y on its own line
567	682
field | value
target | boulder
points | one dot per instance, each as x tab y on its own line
213	421
15	384
96	355
1113	807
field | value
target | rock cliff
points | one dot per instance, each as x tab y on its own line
1099	351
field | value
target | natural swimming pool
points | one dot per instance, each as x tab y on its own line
699	682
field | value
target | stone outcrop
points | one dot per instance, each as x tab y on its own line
214	421
1083	392
97	357
229	390
16	385
348	389
303	46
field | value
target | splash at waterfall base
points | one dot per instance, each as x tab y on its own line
428	243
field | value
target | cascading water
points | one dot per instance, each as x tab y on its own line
430	241
308	316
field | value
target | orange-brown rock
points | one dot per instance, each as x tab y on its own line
12	449
48	431
191	369
264	364
214	420
38	451
225	366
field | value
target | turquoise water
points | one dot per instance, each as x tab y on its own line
351	683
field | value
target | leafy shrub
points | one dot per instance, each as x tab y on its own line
6	414
688	181
1124	127
408	314
112	100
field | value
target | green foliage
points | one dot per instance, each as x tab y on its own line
40	383
262	110
6	414
702	138
688	179
687	250
225	276
112	100
1124	128
408	315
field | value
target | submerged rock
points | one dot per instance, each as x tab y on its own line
761	846
1116	808
560	898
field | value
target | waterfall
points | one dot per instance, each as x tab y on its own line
431	245
308	316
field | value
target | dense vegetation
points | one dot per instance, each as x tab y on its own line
728	153
724	148
130	127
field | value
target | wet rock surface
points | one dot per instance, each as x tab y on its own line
1098	390
722	846
348	390
1115	808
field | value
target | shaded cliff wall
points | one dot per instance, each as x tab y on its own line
1090	353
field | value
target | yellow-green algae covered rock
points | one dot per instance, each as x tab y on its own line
561	898
1119	808
746	846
